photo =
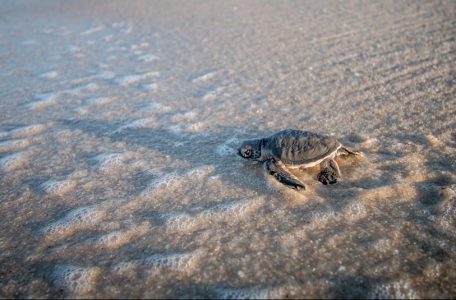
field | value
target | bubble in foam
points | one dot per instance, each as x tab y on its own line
232	211
180	221
14	145
110	161
134	78
77	280
49	75
147	58
183	117
92	30
188	128
393	290
179	262
225	150
446	209
29	130
163	182
355	211
252	293
383	245
89	87
43	100
211	95
14	161
119	238
150	86
97	101
175	180
54	187
104	75
77	219
204	77
321	218
141	123
155	107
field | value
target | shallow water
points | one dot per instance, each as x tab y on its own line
118	131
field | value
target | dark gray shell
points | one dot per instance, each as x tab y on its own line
297	147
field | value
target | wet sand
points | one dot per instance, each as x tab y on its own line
119	124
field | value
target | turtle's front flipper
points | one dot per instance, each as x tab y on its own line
329	171
345	151
280	172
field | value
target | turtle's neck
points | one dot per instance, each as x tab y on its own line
265	152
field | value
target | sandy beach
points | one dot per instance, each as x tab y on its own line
120	121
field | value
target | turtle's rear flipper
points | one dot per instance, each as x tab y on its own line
329	172
281	173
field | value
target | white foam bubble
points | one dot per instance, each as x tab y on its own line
321	218
225	211
149	86
43	100
108	37
355	211
252	293
29	130
211	95
383	245
92	30
73	48
127	29
54	187
189	128
77	280
179	262
393	290
89	87
108	162
13	145
174	180
103	75
155	107
204	77
163	182
49	75
14	161
77	219
141	123
135	78
184	117
225	149
119	238
147	58
97	101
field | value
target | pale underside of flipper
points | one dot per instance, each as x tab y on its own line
280	172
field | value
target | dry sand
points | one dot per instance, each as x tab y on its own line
119	122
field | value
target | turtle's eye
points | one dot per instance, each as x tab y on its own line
248	152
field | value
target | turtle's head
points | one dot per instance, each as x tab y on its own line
250	150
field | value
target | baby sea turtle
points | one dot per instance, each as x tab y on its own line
293	149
